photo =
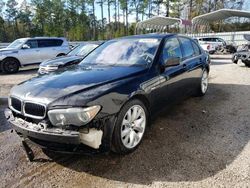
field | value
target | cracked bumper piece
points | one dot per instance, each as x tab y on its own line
38	131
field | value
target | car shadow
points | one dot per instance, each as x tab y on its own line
190	141
221	62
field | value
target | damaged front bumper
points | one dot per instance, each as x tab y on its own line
92	141
41	132
244	56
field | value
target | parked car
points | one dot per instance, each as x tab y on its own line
106	102
215	44
30	51
208	47
243	53
73	57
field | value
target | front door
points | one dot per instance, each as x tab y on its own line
30	55
171	78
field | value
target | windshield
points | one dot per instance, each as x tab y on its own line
83	50
124	52
17	43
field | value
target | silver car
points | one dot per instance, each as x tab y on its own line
29	51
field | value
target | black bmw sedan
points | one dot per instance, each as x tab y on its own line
106	102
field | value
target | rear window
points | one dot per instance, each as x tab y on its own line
197	50
187	46
211	39
49	42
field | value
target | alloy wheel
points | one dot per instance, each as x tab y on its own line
133	126
204	82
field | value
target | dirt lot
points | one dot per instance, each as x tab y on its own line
8	81
201	142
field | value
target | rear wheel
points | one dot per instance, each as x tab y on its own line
203	86
235	59
130	127
10	65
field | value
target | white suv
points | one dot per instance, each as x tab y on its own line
211	44
29	51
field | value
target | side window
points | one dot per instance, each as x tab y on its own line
57	42
171	49
222	41
187	46
213	39
49	43
32	43
42	43
197	50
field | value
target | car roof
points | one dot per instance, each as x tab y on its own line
91	42
151	35
208	37
43	38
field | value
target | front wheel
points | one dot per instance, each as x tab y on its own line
10	65
203	86
130	127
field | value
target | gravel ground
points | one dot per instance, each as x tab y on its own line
7	81
201	142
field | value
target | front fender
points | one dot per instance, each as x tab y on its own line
2	57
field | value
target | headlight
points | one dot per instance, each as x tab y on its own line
73	116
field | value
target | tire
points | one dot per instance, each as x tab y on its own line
10	65
235	61
203	85
247	64
133	134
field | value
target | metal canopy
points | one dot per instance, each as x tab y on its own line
158	23
219	15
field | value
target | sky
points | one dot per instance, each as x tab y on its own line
132	16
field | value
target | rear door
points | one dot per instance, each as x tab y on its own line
192	59
30	55
49	48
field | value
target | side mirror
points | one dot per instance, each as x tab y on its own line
173	61
25	46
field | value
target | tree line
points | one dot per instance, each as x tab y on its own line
77	19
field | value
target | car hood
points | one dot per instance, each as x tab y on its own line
62	60
7	50
47	88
